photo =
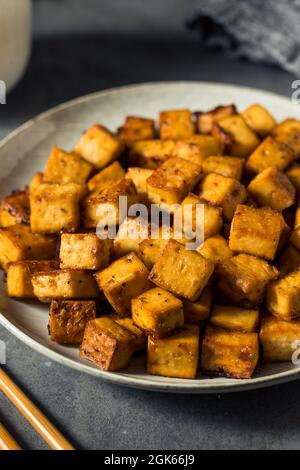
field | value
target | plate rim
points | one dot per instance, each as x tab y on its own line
137	381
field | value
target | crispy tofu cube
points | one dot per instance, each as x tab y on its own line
288	132
238	138
176	355
293	174
106	343
139	177
215	249
213	220
140	337
99	146
55	207
106	177
122	281
259	119
172	181
15	209
244	278
149	250
183	272
232	167
270	153
84	251
229	353
234	318
19	276
224	192
18	243
157	312
64	284
36	181
205	120
137	128
197	148
105	209
272	188
151	153
295	237
249	228
176	124
277	338
66	167
131	233
283	296
198	311
68	319
289	260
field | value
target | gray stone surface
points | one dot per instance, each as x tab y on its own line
94	414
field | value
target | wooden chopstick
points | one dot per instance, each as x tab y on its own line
7	442
35	417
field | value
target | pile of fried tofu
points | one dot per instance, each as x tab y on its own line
225	308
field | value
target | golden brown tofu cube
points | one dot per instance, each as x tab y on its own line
131	233
66	167
84	251
239	139
68	319
106	177
122	281
36	181
64	284
231	167
99	146
198	311
243	279
176	124
249	228
272	188
288	132
283	296
205	120
215	249
157	312
106	343
259	119
224	192
149	250
176	355
139	177
151	153
15	209
172	181
140	337
197	148
19	276
229	353
270	153
289	260
295	237
137	128
18	243
105	209
55	207
234	318
293	174
213	220
277	338
183	272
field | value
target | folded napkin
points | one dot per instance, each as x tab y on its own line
259	30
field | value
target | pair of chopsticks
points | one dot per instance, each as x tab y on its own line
35	417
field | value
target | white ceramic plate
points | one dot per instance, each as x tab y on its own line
25	151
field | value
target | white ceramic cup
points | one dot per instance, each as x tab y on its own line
15	39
